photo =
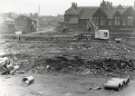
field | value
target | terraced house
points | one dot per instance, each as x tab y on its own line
106	16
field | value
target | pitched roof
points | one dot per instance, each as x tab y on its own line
82	12
117	13
72	11
120	9
87	12
100	12
129	12
112	11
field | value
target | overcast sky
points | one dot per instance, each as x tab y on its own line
50	7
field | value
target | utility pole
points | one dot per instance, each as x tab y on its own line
38	16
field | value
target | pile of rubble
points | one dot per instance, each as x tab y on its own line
64	63
112	65
7	66
78	64
67	63
57	63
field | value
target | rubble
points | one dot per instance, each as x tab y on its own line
118	40
7	66
60	62
79	56
86	72
81	37
96	88
83	66
15	68
98	65
4	61
48	67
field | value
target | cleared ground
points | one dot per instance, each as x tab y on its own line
59	85
32	50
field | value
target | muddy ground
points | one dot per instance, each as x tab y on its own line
32	51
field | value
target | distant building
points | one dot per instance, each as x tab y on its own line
106	16
7	25
25	24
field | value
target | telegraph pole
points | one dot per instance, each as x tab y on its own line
38	15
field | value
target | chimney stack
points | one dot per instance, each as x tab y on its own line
74	5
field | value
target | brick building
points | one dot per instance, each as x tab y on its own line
106	16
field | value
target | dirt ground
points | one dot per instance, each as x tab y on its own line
59	85
27	50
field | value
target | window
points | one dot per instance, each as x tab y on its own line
130	21
102	21
96	20
116	20
99	20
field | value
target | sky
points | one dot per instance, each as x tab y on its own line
50	7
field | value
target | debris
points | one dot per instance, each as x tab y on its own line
5	65
81	37
15	68
100	65
118	40
48	67
96	88
86	72
4	61
28	80
90	88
